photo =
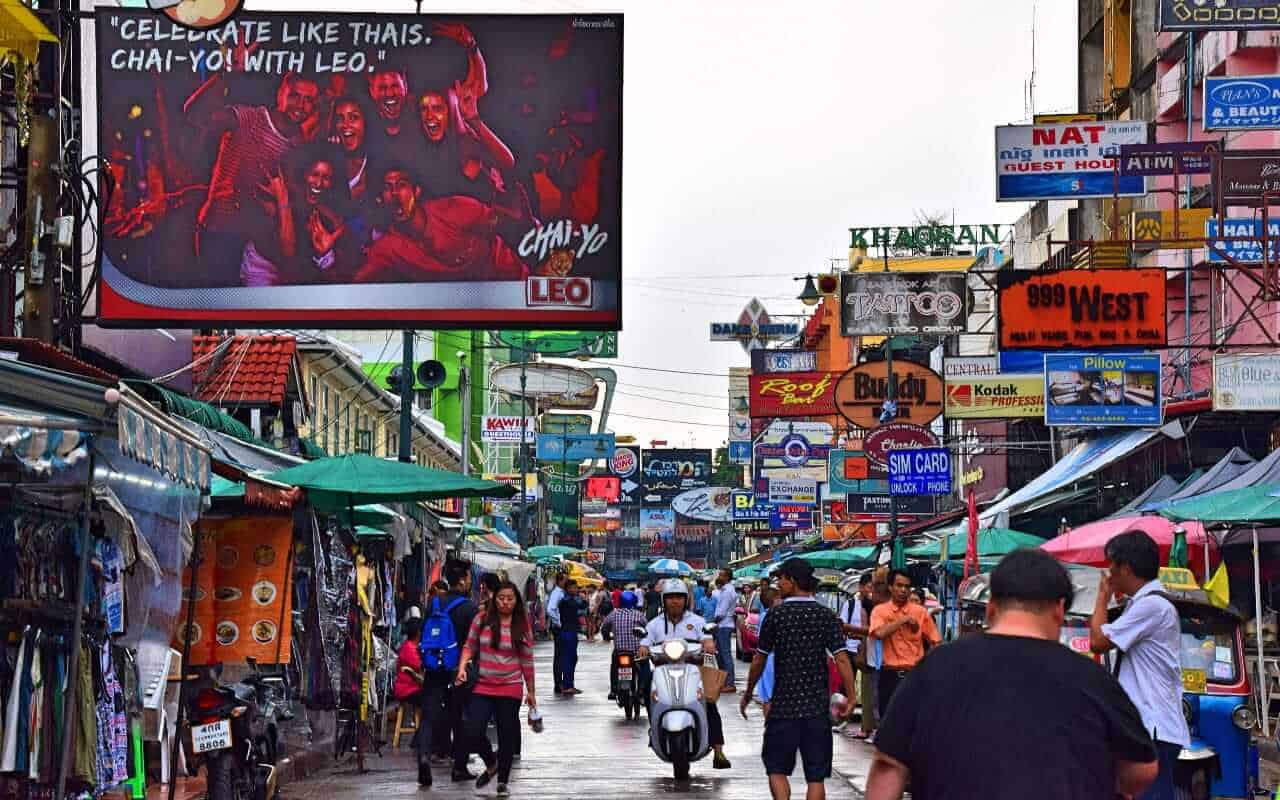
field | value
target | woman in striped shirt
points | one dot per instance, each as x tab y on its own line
501	643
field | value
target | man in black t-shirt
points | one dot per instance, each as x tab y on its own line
458	575
800	633
1011	713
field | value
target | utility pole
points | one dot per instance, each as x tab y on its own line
40	290
464	389
526	536
407	379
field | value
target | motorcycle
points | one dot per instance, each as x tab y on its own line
233	729
626	685
677	709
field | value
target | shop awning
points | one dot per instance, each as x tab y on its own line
43	442
1159	491
1254	505
21	31
991	542
850	558
1086	543
148	436
1084	460
1227	469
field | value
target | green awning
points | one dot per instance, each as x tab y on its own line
551	550
750	572
1252	505
356	478
991	542
200	413
849	558
310	449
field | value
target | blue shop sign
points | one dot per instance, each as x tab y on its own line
1242	103
1102	389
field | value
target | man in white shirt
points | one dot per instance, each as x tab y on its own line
726	620
1148	636
553	623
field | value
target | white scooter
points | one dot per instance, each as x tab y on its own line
677	707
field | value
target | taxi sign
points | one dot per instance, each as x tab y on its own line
1193	681
1178	579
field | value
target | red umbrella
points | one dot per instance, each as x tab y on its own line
1085	544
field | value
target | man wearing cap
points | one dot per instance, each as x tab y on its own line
904	629
799	633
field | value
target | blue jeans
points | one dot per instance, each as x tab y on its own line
724	656
568	642
1163	788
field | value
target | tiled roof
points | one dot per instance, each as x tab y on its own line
250	371
34	351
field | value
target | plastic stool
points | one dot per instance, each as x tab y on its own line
401	727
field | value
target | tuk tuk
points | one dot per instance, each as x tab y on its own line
1217	703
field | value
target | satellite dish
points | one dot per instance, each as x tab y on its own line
431	374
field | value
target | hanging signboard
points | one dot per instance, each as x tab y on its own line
1247	248
1167	231
604	487
1242	103
995	397
860	393
563	494
592	506
876	507
566	423
1102	389
574	446
815	432
753	329
970	366
880	442
1246	382
791	517
882	303
568	344
710	504
625	466
1049	162
740	452
749	506
1245	174
922	471
669	472
847	471
739	428
793	491
208	242
793	394
783	361
1081	308
507	429
1189	158
1218	15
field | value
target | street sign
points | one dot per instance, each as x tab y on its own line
793	491
574	447
917	472
740	452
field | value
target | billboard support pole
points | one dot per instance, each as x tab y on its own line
891	399
1186	276
407	380
524	422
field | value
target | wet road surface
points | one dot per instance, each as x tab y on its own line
588	750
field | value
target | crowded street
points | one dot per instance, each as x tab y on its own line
588	750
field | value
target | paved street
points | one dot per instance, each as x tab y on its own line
588	750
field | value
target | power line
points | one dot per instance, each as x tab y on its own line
672	421
724	408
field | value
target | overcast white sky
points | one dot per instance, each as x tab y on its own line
756	133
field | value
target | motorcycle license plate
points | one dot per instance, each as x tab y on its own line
214	736
624	673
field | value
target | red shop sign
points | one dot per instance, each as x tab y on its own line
793	394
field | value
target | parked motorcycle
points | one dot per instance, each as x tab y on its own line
233	729
677	708
627	688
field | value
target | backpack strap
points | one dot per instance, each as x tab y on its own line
1153	593
457	602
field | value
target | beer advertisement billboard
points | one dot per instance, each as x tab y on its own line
362	170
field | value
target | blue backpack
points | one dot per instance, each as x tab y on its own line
440	640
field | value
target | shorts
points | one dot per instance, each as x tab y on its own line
810	736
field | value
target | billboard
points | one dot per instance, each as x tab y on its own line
1241	103
753	330
604	487
1246	382
796	492
793	394
1240	240
574	446
362	170
1102	389
879	303
995	397
670	472
657	524
1246	174
1164	158
750	507
1049	162
563	497
507	429
597	344
862	391
709	504
1220	15
1079	308
783	360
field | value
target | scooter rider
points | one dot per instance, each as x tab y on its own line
677	622
623	621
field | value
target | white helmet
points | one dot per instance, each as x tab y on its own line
674	586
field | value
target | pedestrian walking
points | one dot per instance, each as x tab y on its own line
441	740
594	600
764	688
500	643
726	620
553	624
1011	714
409	692
572	610
855	620
489	583
904	629
653	600
1149	638
704	605
461	611
799	633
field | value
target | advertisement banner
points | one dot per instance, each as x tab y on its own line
657	524
880	442
1081	308
995	397
1049	162
563	496
566	423
349	170
1246	382
1241	103
749	506
917	472
876	507
791	517
1246	174
242	592
1247	249
709	504
574	446
783	361
1219	15
1102	389
670	472
604	487
861	393
1189	158
568	344
507	429
740	452
795	492
793	394
970	367
881	303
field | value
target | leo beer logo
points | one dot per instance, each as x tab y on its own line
569	291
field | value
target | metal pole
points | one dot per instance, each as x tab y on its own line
891	399
1186	275
77	635
1257	617
525	534
464	379
186	657
407	379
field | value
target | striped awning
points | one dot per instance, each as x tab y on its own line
43	443
147	436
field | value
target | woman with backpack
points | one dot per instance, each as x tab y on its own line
501	643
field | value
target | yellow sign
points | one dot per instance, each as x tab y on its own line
1193	681
1157	228
1178	578
1064	119
972	476
994	397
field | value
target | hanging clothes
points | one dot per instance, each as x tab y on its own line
9	745
86	733
35	715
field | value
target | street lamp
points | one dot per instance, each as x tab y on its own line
810	296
